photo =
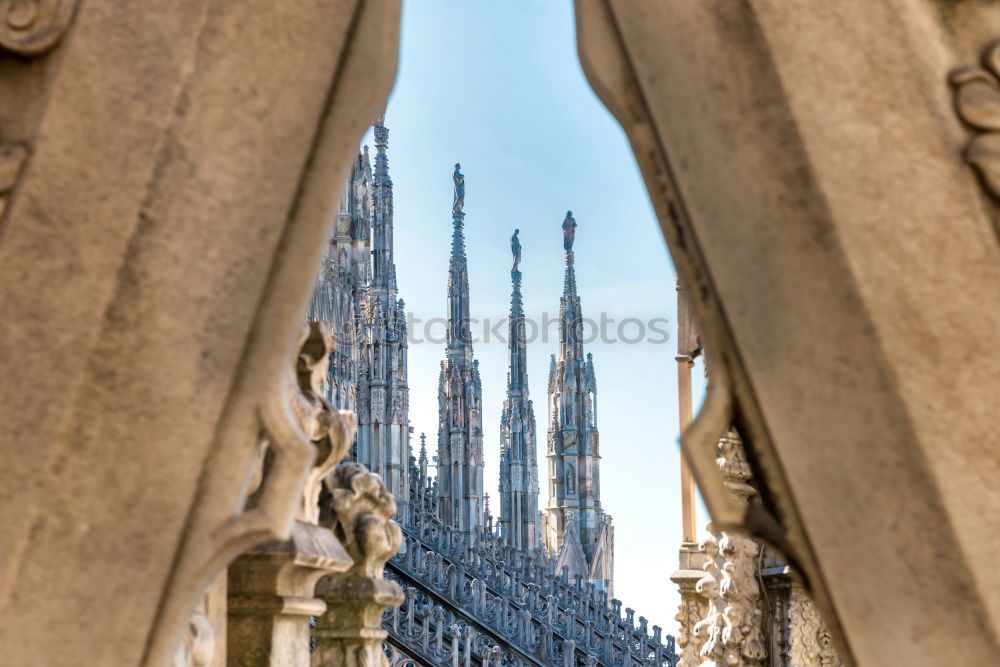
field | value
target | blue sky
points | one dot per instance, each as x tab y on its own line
498	87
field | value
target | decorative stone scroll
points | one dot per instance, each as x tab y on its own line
330	430
32	27
977	101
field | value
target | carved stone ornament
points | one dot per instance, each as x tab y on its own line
349	634
731	630
810	644
690	611
330	430
32	27
977	101
289	421
198	646
362	517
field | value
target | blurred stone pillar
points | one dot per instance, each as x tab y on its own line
167	172
271	597
854	333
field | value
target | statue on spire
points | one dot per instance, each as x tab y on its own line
459	189
515	249
569	231
381	131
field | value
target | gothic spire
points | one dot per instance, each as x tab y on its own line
574	517
518	464
423	456
571	317
517	379
383	267
459	337
460	427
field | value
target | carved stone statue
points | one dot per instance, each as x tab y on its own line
515	249
459	189
569	231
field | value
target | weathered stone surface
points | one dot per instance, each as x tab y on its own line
182	161
806	164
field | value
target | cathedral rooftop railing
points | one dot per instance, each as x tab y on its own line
488	600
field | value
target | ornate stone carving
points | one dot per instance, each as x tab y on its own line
349	634
362	516
977	101
329	430
690	611
732	628
378	405
804	628
809	642
32	27
827	654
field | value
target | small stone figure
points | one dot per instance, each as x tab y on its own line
569	231
515	249
459	189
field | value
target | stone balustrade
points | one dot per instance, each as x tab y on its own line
468	595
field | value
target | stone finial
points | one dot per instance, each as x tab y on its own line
350	633
362	518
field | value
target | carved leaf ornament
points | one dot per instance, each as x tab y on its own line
977	101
